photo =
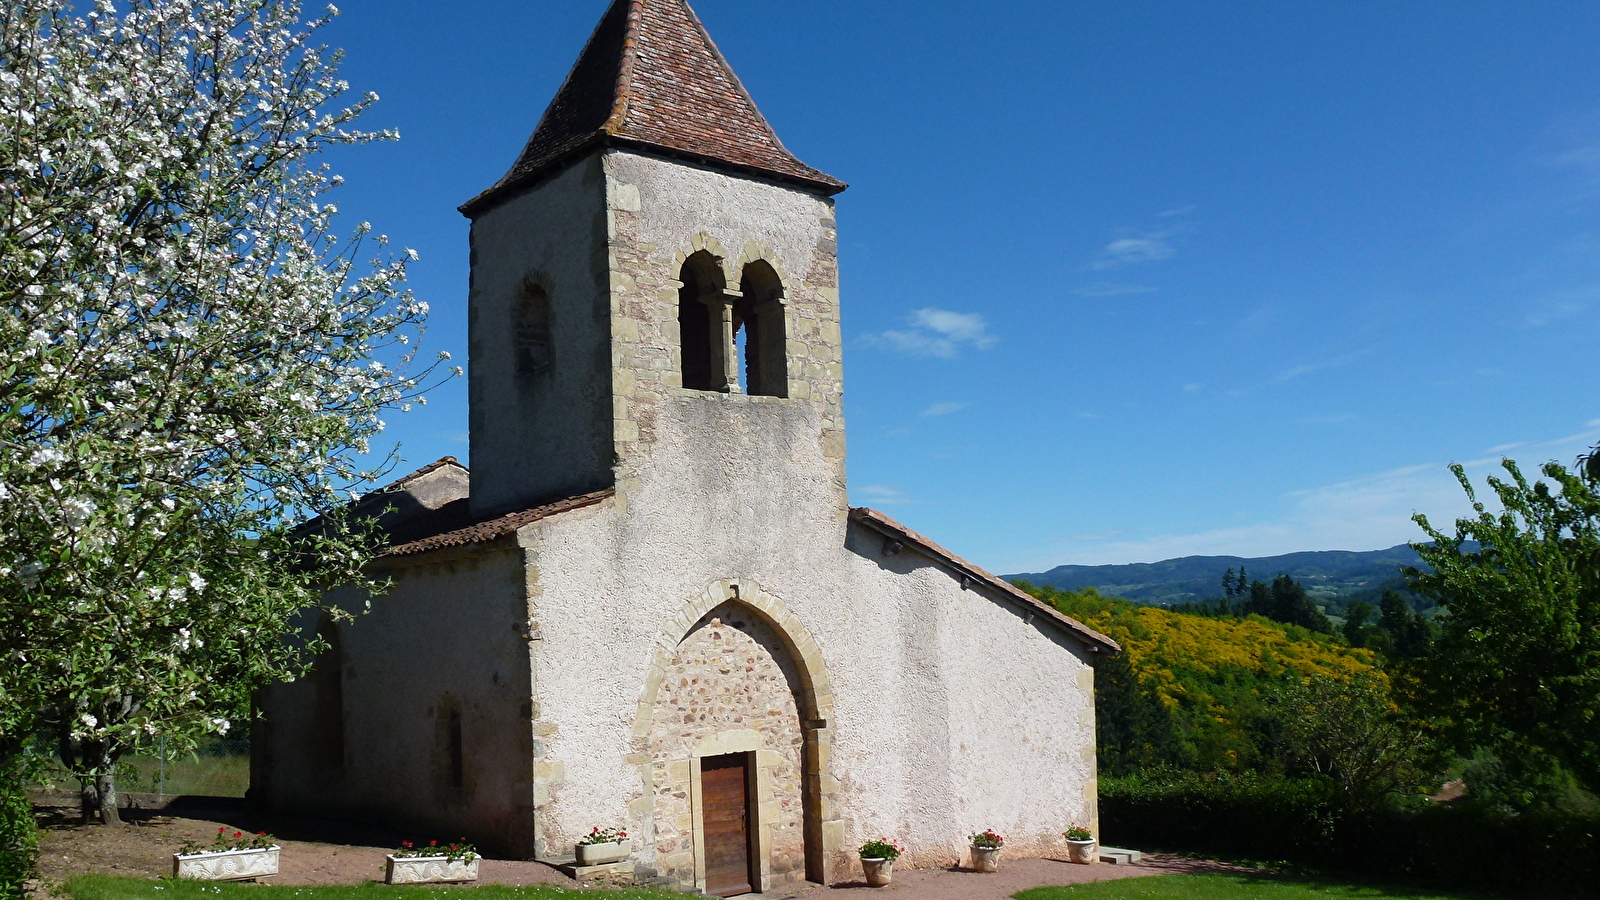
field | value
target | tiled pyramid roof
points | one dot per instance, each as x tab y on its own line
650	76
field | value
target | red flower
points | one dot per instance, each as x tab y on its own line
222	830
406	844
433	843
238	834
622	834
261	834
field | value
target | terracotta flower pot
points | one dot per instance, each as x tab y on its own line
1082	852
986	859
878	871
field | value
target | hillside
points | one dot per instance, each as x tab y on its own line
1196	691
1330	576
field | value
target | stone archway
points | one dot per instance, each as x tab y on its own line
737	673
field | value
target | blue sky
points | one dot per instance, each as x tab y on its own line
1122	281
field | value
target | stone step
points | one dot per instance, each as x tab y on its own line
1118	857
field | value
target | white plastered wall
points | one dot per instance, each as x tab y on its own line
447	634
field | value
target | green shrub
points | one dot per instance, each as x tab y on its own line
1307	822
19	839
1246	816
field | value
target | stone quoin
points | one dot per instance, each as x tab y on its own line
648	605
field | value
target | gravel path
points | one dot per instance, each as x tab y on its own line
326	852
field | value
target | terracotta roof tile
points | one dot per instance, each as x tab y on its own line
434	466
885	525
650	76
497	527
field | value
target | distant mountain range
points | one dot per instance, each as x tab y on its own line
1330	576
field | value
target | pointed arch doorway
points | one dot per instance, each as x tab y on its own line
735	736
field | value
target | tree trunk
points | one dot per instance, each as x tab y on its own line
106	787
98	792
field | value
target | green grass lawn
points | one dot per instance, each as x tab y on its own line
1228	887
100	887
204	776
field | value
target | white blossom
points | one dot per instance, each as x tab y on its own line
187	344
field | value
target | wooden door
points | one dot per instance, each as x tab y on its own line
725	815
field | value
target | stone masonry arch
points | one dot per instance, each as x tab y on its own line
788	763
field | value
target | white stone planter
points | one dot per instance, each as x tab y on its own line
226	865
1082	852
600	854
429	870
878	871
986	859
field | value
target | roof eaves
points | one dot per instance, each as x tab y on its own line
823	184
498	527
404	480
555	161
881	523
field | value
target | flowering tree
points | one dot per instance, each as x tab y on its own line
188	365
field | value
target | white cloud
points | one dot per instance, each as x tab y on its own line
883	495
1148	247
1107	289
1369	512
1177	211
1193	387
944	409
1344	359
940	333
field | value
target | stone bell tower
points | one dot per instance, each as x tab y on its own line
654	301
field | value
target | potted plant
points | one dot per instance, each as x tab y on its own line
604	845
877	860
986	851
1080	844
235	857
432	864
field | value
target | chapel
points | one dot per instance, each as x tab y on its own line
648	604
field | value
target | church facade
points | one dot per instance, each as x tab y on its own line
649	605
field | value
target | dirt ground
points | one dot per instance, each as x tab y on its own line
326	851
315	851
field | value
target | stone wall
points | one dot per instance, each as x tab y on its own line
731	673
659	214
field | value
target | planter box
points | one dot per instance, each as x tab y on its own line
1082	852
600	854
226	865
429	870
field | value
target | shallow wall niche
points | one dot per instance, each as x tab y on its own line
531	326
744	677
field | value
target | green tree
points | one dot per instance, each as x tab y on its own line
190	365
1356	617
1409	633
1350	731
1286	600
1516	665
1134	731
